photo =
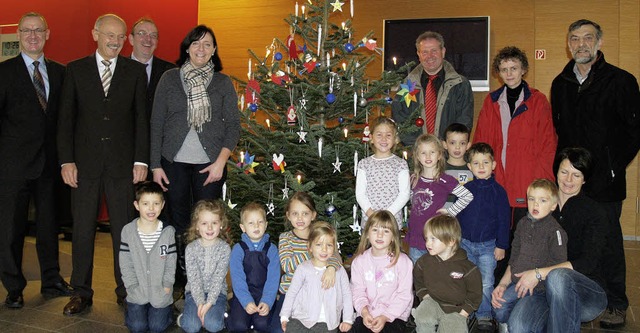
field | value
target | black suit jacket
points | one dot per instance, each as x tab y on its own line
27	134
158	68
103	134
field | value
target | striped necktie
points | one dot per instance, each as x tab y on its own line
430	108
106	76
38	83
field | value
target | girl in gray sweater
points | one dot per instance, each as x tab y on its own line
207	262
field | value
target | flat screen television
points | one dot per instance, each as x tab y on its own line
466	41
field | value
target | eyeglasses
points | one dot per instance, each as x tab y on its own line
113	36
28	32
144	34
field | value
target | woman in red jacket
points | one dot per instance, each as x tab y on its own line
516	121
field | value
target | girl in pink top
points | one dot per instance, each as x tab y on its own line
381	278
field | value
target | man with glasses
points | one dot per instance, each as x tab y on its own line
595	105
144	39
103	146
29	96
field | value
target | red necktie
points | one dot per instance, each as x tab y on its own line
430	108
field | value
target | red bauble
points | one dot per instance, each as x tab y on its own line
419	122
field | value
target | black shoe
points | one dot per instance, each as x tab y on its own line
77	305
61	288
613	318
14	302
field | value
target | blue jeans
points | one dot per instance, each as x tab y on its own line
239	320
511	300
415	254
144	318
570	298
213	319
481	254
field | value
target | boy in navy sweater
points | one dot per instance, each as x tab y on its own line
485	224
255	273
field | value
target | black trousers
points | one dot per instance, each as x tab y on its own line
613	266
85	202
15	196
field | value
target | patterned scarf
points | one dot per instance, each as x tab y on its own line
199	106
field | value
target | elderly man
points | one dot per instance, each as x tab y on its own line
144	39
595	105
103	145
444	96
29	96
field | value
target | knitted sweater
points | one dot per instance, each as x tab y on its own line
145	275
207	270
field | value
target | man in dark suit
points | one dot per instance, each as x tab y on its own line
29	96
103	146
144	39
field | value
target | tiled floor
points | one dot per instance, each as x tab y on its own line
40	315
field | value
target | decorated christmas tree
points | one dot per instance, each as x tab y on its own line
305	112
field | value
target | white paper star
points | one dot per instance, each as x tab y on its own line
302	136
231	205
355	227
285	193
271	209
336	165
303	103
337	5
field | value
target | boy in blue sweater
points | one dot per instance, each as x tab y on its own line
148	263
255	273
485	224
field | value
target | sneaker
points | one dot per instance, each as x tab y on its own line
486	325
178	320
503	328
613	318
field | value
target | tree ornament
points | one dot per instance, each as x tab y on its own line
270	206
331	98
337	163
278	56
341	120
337	5
285	190
330	210
366	134
363	102
253	107
419	122
278	162
349	47
302	135
355	227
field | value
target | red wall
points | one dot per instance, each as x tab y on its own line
71	22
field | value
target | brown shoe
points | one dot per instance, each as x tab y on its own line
613	318
76	305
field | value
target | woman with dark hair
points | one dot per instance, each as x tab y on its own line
574	292
195	125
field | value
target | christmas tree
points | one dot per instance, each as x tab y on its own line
305	113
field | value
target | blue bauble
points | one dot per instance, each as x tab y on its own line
331	209
388	99
278	56
341	120
331	98
253	107
349	47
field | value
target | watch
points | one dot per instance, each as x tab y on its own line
538	275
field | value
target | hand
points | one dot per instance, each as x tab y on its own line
496	296
442	211
202	311
378	323
251	308
167	290
528	281
69	174
215	172
367	319
369	212
263	309
284	325
344	327
328	277
498	254
160	178
464	313
139	173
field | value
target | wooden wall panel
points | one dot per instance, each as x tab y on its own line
529	24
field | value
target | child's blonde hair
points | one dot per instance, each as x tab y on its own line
381	219
389	122
253	207
417	166
320	229
547	185
216	207
445	228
